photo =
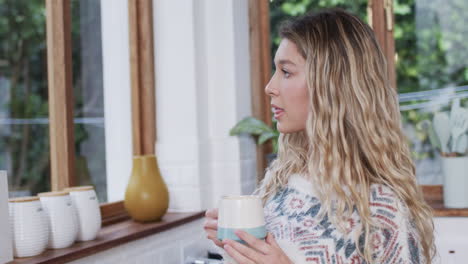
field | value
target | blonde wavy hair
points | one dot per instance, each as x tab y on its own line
353	135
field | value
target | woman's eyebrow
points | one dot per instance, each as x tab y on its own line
285	61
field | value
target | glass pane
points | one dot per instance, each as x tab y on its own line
281	10
24	129
431	60
88	95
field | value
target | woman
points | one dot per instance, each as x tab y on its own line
343	188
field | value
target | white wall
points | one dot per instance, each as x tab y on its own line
203	89
173	246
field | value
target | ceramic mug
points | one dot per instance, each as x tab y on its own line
62	218
243	212
29	226
86	203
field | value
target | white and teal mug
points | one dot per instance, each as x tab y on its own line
241	212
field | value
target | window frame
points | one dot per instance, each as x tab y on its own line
59	65
62	145
381	18
260	72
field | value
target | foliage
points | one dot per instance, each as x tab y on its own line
431	45
23	84
281	10
255	127
24	148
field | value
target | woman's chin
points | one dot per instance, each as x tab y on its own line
285	129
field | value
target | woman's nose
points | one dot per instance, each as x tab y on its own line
269	90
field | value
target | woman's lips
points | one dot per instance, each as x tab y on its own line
278	112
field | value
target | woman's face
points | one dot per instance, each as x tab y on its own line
288	89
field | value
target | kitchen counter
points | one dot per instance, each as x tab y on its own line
112	236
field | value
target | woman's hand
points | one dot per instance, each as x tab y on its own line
211	226
260	251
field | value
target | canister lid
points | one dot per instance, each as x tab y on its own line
23	199
51	194
79	188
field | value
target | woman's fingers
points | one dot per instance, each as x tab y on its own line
270	239
212	235
253	241
240	257
210	224
212	213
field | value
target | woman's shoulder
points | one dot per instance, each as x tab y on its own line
301	183
382	196
395	236
387	209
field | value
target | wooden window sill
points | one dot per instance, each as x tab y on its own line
434	197
111	236
441	211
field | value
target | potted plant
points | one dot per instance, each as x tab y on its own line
258	128
450	137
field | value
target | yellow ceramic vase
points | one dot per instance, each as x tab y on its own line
146	197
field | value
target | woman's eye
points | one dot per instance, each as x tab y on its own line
286	73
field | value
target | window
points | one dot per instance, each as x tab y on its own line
432	70
24	123
88	93
24	139
70	73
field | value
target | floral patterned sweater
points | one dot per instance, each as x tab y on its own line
292	217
